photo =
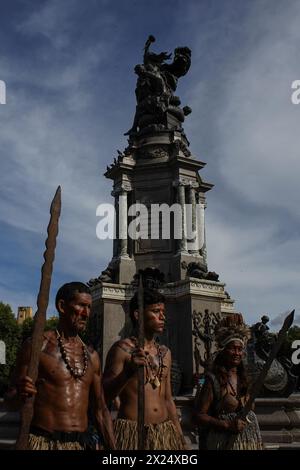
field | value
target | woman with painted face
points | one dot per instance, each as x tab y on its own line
225	392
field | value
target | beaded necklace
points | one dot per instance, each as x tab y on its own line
153	373
75	371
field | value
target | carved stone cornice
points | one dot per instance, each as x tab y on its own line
153	152
207	288
195	287
124	292
123	187
112	291
227	306
185	181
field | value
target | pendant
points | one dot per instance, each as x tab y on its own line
156	382
248	420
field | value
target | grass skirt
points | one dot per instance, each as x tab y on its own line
162	436
44	443
248	439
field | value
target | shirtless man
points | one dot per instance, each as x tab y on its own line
163	431
69	372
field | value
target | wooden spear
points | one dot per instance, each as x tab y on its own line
141	372
40	318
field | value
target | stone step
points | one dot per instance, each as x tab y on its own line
8	432
279	423
282	436
9	425
272	446
7	444
9	417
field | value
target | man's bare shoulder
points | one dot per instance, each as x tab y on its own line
50	344
94	356
90	348
126	345
93	353
119	353
50	336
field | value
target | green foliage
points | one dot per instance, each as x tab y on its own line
10	334
26	329
293	333
13	336
51	323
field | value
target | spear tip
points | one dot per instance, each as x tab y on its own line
289	320
56	201
58	192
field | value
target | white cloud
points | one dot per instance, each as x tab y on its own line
243	124
262	275
17	298
258	125
56	21
46	141
249	125
279	319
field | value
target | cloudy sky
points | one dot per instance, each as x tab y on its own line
68	69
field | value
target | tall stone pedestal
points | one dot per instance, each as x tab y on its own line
109	316
158	174
160	202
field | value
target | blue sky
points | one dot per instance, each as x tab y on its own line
68	68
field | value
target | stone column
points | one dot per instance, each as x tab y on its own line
123	224
116	244
193	232
181	199
204	250
201	224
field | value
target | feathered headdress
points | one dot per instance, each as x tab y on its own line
231	328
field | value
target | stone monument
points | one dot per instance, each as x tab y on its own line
156	171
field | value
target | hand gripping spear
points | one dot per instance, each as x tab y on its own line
40	317
259	382
141	374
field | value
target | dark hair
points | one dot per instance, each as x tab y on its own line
151	296
67	291
219	369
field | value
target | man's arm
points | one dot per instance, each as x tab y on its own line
121	365
21	385
172	412
102	415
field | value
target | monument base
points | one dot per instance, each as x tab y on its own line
110	318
